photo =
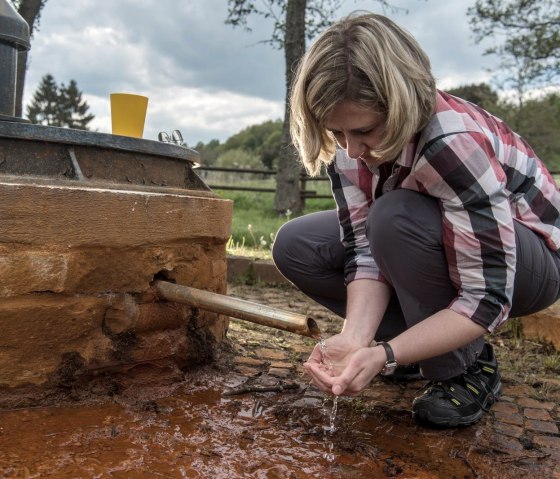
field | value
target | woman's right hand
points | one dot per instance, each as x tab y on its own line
352	374
330	357
366	303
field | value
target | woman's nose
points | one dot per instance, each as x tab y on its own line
354	148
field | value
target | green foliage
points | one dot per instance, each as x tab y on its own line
209	152
480	94
44	106
552	363
270	149
262	140
54	105
73	108
239	158
538	121
530	52
256	146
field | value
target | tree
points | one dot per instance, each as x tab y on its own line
73	109
530	52
30	10
480	94
294	21
43	109
541	128
262	140
270	149
239	158
538	123
208	152
59	106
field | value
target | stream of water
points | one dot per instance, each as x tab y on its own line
330	414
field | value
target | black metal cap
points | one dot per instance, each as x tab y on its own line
13	28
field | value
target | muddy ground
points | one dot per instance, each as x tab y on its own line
252	414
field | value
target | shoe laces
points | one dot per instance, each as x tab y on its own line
444	386
477	374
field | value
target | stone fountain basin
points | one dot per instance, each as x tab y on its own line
88	221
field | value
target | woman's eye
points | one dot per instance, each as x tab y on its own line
337	134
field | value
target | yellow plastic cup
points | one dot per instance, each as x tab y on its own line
128	114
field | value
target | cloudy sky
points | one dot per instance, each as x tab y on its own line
204	77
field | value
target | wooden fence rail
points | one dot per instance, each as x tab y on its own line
304	179
304	192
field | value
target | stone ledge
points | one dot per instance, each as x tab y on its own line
543	325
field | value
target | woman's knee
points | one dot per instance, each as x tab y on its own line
308	240
402	218
284	238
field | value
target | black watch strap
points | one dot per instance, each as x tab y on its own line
391	363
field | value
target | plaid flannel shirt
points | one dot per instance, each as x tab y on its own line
484	176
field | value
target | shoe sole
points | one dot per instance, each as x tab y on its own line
425	417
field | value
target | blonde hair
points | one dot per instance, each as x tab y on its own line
367	59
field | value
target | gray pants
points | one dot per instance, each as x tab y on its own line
405	228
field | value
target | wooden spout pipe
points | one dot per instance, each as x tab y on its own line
238	308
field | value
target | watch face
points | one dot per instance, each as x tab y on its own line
390	364
389	368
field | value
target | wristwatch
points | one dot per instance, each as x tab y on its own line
391	363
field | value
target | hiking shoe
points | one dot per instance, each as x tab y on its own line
462	400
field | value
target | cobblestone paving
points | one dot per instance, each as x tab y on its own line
519	437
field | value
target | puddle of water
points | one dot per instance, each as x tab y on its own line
198	433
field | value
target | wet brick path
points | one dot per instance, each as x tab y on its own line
520	434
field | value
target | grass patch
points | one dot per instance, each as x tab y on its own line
255	222
523	360
552	363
